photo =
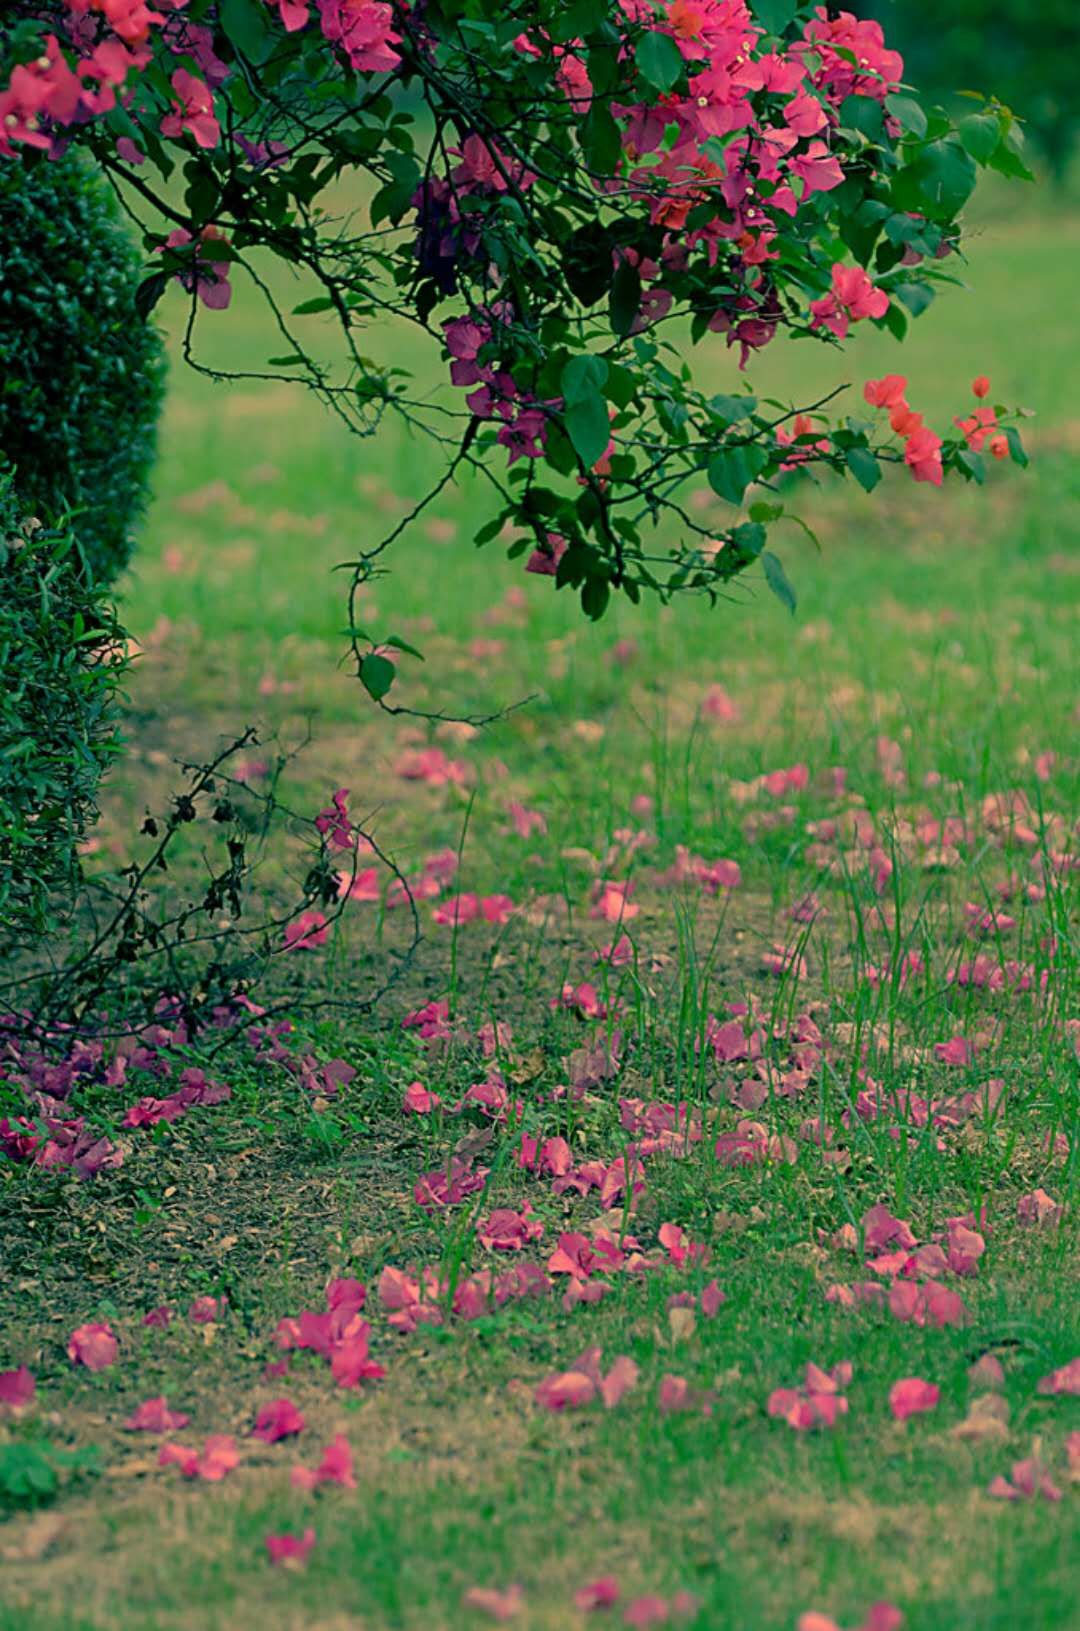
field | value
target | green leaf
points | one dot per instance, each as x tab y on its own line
1006	159
308	308
625	300
399	644
588	427
863	113
1016	447
733	469
285	362
778	582
659	60
775	14
980	134
595	594
733	408
377	675
864	467
245	22
579	20
600	139
916	296
939	182
583	376
909	114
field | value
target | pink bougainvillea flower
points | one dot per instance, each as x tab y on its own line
600	1593
929	1304
887	392
278	1419
879	1617
192	110
676	1394
154	1416
647	1610
498	1605
218	1458
363	887
711	1299
508	1231
206	1310
980	386
957	1051
351	1363
336	1467
818	1403
1029	1480
159	1317
566	1390
1064	1380
619	1381
333	822
911	1396
965	1246
680	1249
306	932
419	1100
290	1550
93	1345
17	1388
1038	1208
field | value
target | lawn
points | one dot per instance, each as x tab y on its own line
842	1069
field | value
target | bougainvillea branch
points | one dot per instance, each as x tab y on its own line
566	198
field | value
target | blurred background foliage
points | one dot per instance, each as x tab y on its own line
1024	52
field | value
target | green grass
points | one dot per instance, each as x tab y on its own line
943	623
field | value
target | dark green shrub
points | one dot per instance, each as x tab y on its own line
81	371
60	665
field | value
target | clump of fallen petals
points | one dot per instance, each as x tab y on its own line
1066	1379
17	1388
207	1310
290	1551
154	1416
676	1394
584	1382
93	1345
1038	1208
1028	1481
336	1467
218	1458
652	1609
912	1397
509	1231
497	1605
278	1419
818	1403
879	1617
602	1593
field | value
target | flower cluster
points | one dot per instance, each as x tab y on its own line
573	187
